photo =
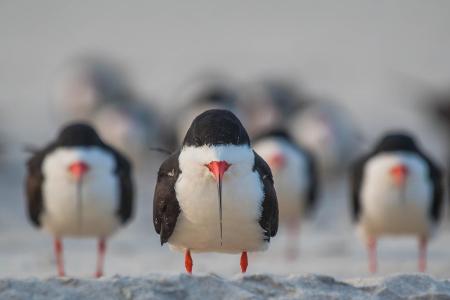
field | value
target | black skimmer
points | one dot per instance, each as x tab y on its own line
215	194
326	130
78	186
396	190
295	176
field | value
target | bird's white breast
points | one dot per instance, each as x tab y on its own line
389	209
198	226
292	181
86	209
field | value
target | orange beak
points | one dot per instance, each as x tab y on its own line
277	161
399	174
218	168
78	169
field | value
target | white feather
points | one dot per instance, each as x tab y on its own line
388	209
292	181
198	226
93	213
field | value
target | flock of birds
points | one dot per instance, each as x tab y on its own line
245	163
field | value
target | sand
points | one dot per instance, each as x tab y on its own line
263	286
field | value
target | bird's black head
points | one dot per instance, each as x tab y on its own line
78	134
216	127
396	141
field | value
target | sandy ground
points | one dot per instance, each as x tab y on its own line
214	287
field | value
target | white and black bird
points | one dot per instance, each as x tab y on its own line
215	194
78	186
396	190
295	176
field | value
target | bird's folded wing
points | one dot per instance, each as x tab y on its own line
269	215
165	204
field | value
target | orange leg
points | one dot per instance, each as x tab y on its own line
292	250
58	246
101	257
372	250
188	261
423	241
244	261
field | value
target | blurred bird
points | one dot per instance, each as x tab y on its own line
396	190
295	177
437	105
132	128
269	104
326	130
211	91
78	186
215	194
97	90
86	83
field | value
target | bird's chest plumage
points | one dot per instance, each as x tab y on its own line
198	226
396	209
85	208
291	197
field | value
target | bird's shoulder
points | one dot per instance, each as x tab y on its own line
124	165
170	167
34	162
261	166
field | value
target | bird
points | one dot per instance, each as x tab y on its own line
328	131
215	194
296	180
78	186
396	189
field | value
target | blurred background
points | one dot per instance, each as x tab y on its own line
336	74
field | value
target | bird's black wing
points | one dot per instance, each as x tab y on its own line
33	187
165	204
124	171
436	177
356	180
314	182
269	215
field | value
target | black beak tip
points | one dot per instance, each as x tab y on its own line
219	188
